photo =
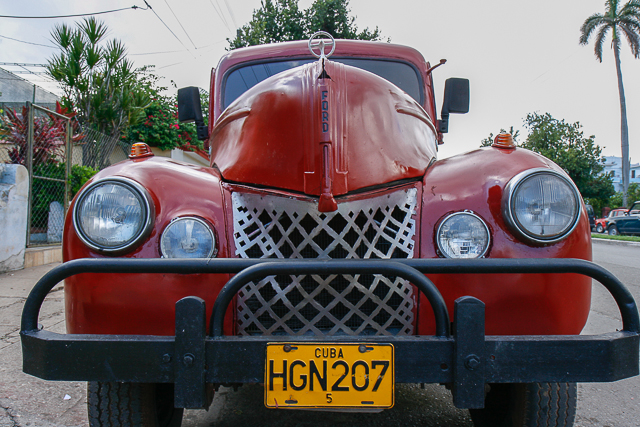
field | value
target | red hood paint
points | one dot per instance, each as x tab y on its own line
363	132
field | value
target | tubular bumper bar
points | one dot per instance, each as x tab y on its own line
467	359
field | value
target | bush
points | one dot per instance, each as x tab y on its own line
46	191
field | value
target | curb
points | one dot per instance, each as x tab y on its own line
614	242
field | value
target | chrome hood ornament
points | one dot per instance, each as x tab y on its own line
326	40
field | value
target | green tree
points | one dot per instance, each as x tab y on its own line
633	195
282	20
98	81
566	145
617	19
161	127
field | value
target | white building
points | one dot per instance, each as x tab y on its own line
613	167
15	91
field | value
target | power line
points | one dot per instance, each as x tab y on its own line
219	12
21	64
180	23
29	72
170	65
22	41
233	18
72	16
164	23
155	53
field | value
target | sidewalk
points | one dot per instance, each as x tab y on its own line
25	400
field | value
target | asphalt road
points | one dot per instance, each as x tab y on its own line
28	401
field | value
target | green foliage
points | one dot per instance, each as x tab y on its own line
282	20
633	195
96	77
618	237
489	140
161	127
79	177
46	191
566	145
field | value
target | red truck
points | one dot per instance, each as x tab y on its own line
329	255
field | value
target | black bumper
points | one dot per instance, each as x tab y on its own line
200	354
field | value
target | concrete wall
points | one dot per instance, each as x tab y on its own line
14	193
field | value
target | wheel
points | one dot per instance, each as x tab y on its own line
613	230
132	405
599	228
527	405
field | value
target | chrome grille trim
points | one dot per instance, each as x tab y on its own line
267	226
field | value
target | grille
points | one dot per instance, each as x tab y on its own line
278	227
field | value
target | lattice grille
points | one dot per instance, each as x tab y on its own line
279	227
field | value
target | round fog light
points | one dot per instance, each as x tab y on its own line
463	235
187	237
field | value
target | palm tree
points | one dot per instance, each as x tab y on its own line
625	20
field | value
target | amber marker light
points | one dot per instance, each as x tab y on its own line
504	140
140	150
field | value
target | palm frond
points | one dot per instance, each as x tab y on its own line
631	7
590	24
611	8
602	34
93	29
62	35
633	37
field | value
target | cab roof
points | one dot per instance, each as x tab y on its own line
300	49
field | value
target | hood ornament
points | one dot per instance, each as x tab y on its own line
326	40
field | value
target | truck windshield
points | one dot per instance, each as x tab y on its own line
242	79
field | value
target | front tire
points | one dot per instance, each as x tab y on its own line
613	231
599	228
132	405
528	405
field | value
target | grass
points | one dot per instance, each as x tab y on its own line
624	238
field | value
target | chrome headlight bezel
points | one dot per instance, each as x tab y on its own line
212	253
147	217
518	229
466	213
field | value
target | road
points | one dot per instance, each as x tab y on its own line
28	401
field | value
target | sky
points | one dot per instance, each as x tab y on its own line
520	56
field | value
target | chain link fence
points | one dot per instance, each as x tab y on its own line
60	155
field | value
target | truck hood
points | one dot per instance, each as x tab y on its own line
323	128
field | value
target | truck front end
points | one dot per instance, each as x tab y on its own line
329	255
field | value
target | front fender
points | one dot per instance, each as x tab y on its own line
516	304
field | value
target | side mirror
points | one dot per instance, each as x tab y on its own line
456	100
190	110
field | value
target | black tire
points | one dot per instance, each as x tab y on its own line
613	230
132	405
528	405
599	228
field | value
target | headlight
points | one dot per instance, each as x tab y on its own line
541	205
113	215
187	237
463	235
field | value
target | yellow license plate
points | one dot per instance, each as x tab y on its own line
314	375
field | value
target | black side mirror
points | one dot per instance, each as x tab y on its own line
190	110
456	100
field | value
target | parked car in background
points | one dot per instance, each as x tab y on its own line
626	223
602	223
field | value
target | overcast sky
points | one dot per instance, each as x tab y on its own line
520	56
